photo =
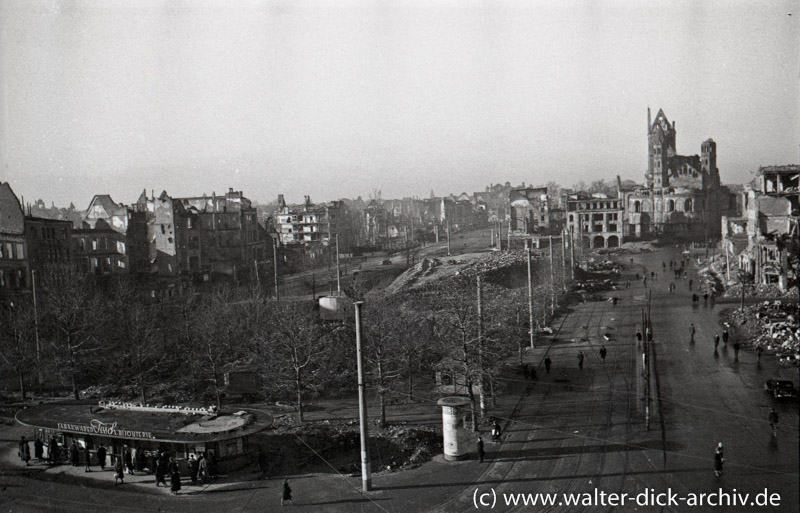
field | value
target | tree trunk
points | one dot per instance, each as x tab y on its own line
298	384
381	393
216	387
410	381
72	373
22	390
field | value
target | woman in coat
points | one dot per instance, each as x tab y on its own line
286	495
175	480
119	473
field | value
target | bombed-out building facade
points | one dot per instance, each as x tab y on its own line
764	239
682	196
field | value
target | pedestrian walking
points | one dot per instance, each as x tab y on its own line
690	285
580	360
38	449
162	469
736	348
638	335
692	331
547	363
725	336
119	473
773	422
705	298
175	479
127	459
88	457
101	457
24	452
644	281
73	454
716	341
496	433
202	465
194	468
286	493
481	451
758	354
603	353
52	450
719	460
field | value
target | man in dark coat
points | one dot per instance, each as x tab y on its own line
88	457
24	451
128	460
194	468
101	457
73	454
547	363
580	360
52	450
286	494
481	451
38	449
603	352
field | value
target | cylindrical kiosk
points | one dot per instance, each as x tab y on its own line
454	428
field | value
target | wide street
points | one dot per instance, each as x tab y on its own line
573	431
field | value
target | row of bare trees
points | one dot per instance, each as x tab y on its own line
84	333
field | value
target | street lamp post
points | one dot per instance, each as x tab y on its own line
366	478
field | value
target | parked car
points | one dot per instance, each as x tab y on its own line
780	388
387	262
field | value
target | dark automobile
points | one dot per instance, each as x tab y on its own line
780	388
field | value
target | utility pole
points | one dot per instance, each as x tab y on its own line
580	234
408	251
727	265
275	268
482	384
338	273
552	282
39	374
448	237
563	262
572	250
258	280
530	290
646	360
366	478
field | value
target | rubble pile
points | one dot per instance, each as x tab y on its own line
770	325
315	448
628	248
470	265
760	290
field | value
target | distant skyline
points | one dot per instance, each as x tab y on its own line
337	99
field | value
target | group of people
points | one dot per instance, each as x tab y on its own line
203	468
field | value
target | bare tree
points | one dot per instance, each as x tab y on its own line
137	354
292	348
72	306
16	339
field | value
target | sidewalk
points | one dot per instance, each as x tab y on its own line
432	485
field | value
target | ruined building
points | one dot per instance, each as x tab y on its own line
764	240
682	196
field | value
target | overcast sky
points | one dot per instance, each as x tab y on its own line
338	98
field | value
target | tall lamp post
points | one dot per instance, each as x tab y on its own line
366	478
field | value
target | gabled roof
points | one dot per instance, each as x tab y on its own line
105	201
